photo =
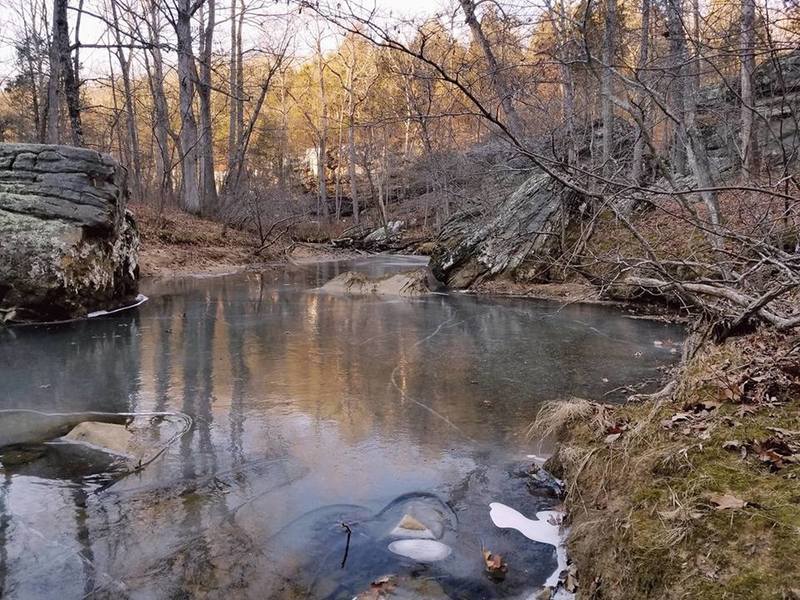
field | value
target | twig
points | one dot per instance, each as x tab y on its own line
347	545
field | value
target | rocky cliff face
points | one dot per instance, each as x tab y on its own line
521	236
527	227
67	244
776	95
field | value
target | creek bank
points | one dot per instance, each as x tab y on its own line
175	243
691	492
69	245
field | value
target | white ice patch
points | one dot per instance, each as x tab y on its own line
421	550
140	299
536	458
546	529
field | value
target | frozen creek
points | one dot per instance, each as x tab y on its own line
399	419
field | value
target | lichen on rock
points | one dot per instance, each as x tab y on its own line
68	246
527	227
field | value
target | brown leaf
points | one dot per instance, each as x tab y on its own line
379	588
775	451
726	501
495	565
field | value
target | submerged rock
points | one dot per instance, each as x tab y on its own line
116	439
410	527
69	246
403	588
421	550
412	283
22	426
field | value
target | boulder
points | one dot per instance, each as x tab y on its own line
526	227
67	244
24	426
382	233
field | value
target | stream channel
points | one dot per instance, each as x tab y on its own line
277	417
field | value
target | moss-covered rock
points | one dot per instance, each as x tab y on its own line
67	244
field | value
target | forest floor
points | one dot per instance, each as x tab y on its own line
692	493
175	243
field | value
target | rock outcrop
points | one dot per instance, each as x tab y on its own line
526	228
67	244
776	96
521	237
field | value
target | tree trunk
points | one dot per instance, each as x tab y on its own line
233	179
351	144
130	112
160	109
240	78
323	136
749	145
233	91
515	126
209	203
644	57
687	133
53	129
66	75
188	132
283	174
607	80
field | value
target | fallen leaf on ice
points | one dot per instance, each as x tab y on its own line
496	567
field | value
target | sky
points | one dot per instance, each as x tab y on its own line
94	31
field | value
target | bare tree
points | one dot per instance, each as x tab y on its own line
607	81
206	139
63	78
498	83
322	138
749	143
182	21
643	106
162	132
130	108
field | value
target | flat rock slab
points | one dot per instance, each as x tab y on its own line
412	283
110	437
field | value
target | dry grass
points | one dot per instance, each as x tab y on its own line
554	418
